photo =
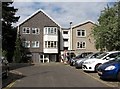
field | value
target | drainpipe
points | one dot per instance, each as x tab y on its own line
70	37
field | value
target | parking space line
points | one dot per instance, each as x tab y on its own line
10	85
99	80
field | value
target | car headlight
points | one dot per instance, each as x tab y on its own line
90	62
110	68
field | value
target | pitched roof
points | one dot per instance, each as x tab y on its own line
38	11
83	23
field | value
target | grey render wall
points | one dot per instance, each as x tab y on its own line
39	20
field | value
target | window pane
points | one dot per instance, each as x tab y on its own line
78	33
45	44
83	32
65	32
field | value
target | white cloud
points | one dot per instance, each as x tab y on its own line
62	12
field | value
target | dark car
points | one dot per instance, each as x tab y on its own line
4	66
82	55
110	70
78	63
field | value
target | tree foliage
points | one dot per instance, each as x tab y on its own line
8	31
106	34
20	54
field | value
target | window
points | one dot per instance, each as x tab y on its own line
50	30
65	48
35	31
26	30
81	45
50	44
35	44
65	40
26	44
65	32
81	33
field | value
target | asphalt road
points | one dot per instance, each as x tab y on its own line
54	75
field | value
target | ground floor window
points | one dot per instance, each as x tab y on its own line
81	45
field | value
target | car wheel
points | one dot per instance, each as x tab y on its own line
118	76
71	64
96	67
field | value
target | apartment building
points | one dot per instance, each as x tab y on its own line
44	39
82	40
40	35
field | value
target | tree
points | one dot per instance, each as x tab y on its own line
8	31
20	52
107	33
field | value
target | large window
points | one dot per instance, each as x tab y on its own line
50	30
35	31
81	45
26	44
65	32
65	40
81	33
26	30
35	44
50	44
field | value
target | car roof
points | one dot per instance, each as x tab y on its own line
113	52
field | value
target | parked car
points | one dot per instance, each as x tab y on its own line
110	70
82	55
78	63
4	66
92	64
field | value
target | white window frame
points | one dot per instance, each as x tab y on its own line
35	45
50	30
51	44
37	31
24	30
81	30
25	44
81	43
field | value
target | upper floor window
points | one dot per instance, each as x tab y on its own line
50	30
81	45
66	40
35	31
65	32
26	44
26	30
81	33
35	44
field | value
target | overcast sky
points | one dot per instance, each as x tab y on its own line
63	12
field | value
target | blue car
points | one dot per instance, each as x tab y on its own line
110	70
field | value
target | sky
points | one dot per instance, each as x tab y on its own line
63	12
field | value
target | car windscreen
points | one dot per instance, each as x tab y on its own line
90	55
102	55
117	59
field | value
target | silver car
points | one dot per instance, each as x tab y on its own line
78	63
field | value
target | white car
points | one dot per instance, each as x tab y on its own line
92	64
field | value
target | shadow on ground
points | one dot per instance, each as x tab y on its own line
11	78
19	65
